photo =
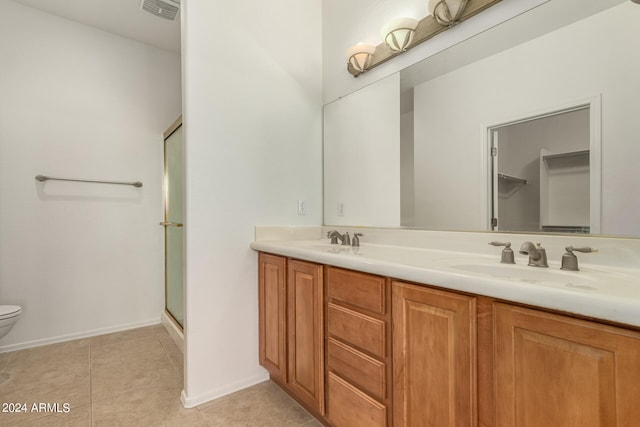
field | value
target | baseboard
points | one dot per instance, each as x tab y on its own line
79	335
192	402
173	330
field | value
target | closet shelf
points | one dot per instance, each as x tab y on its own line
511	178
563	155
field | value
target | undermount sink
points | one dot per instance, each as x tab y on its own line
589	278
323	246
524	272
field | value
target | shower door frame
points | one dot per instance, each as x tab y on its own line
167	134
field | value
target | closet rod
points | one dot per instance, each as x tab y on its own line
43	178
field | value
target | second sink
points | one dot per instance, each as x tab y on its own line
520	272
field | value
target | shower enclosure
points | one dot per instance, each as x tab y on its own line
173	222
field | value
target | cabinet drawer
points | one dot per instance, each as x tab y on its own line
349	407
357	329
361	290
365	372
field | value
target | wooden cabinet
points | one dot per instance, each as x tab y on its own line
552	370
305	324
291	326
449	359
358	349
272	311
464	361
434	357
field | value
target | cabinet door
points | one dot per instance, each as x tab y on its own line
552	370
434	357
272	307
305	330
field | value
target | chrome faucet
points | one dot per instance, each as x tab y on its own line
334	236
345	239
537	254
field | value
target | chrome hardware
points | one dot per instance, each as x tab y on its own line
570	261
537	254
507	252
355	242
43	178
171	224
346	240
334	236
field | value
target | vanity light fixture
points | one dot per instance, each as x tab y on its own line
398	34
404	34
447	12
359	56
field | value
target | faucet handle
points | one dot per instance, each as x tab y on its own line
346	240
507	252
355	242
583	249
496	243
570	261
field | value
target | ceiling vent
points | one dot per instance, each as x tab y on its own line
167	9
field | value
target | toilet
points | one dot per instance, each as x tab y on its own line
9	315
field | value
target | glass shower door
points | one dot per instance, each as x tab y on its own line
173	223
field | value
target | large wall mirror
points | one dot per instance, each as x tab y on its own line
531	126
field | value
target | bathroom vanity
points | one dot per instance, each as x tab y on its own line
387	335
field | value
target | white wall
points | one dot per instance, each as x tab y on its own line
585	59
346	23
78	102
407	177
253	129
362	151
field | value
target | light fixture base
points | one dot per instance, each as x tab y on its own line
427	28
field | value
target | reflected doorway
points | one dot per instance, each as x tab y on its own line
173	222
542	170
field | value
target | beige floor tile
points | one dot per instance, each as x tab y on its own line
141	408
21	372
10	419
75	417
49	362
3	377
174	353
261	405
166	341
73	389
312	423
131	378
126	350
130	335
125	367
4	359
58	373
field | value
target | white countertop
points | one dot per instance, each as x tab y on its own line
599	291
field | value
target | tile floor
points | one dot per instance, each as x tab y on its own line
130	378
